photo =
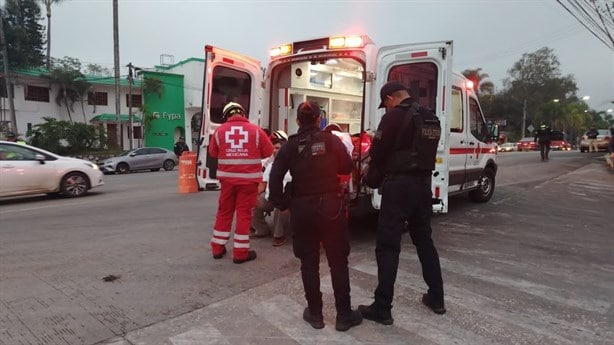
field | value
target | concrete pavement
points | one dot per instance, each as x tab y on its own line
523	276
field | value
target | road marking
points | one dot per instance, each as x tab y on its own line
286	314
204	335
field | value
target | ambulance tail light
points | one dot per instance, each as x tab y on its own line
437	193
340	42
281	50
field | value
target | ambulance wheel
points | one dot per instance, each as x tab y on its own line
486	187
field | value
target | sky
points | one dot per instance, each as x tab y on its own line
487	34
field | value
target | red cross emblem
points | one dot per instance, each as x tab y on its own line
236	136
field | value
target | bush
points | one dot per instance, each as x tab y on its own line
65	138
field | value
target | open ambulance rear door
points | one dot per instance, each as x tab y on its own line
425	69
228	77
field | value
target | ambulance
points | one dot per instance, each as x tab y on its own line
343	75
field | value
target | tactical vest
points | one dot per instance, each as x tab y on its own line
424	129
313	165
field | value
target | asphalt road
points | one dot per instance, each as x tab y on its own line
532	266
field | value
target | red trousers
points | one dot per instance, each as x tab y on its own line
242	199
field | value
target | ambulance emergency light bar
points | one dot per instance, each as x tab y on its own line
336	42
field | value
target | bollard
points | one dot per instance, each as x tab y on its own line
187	176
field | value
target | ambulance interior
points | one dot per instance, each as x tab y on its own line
335	84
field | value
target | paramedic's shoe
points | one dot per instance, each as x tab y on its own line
345	322
220	254
279	241
316	321
373	313
437	306
251	255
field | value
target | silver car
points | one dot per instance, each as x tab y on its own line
145	158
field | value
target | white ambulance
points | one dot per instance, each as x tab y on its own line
343	75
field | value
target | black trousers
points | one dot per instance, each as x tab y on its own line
544	149
405	198
322	219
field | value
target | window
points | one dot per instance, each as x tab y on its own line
421	80
456	110
229	85
37	94
137	101
138	133
476	121
97	98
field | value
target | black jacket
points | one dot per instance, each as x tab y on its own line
387	132
314	169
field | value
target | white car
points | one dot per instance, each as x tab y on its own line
26	170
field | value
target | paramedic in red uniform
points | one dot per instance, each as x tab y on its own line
239	147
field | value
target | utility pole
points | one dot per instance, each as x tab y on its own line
524	117
131	136
118	130
9	83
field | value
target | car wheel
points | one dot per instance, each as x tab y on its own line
122	168
74	184
168	165
156	169
486	187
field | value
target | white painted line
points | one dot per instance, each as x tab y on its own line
287	315
204	335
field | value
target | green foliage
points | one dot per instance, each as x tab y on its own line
64	137
72	87
24	33
152	85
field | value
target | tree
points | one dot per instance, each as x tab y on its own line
536	80
72	86
23	33
481	82
48	4
95	69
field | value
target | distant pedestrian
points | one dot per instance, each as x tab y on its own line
543	137
181	146
239	147
592	135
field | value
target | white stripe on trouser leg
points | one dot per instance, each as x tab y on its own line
241	237
241	245
219	241
225	234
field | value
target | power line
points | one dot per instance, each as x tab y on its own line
584	17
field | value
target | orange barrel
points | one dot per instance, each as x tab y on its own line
187	175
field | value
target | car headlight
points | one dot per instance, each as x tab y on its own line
92	165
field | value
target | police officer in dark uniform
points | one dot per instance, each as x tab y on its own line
406	197
543	137
317	213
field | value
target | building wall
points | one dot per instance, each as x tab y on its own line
165	117
31	113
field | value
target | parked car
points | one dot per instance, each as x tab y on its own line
507	147
559	141
527	144
145	158
27	170
603	140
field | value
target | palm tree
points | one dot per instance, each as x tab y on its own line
48	4
482	83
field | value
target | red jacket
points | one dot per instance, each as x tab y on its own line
240	147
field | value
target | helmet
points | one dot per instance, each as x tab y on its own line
279	135
231	109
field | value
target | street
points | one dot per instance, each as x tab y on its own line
533	266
